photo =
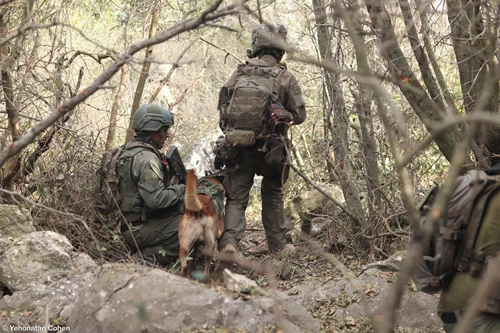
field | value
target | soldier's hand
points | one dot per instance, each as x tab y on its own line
179	188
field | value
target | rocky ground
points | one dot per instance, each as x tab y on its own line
47	281
313	281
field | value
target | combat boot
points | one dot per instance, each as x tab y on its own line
226	258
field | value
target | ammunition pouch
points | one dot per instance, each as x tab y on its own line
225	153
240	138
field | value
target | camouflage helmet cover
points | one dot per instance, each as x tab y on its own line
268	36
151	117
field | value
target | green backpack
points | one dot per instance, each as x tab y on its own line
451	248
247	115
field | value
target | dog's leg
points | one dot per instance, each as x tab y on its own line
186	242
209	245
183	253
208	260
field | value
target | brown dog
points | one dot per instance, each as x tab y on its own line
200	222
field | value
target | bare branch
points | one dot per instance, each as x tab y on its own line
327	195
73	216
175	65
220	48
181	97
190	24
144	72
24	29
98	58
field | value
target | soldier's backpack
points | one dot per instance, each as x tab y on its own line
246	117
451	248
108	199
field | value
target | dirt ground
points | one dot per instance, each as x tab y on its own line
307	266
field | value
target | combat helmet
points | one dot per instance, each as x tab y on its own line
264	36
151	118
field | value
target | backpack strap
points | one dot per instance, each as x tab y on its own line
140	144
277	73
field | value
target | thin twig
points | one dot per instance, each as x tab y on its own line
209	15
222	49
73	216
175	65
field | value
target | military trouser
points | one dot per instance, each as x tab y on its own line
484	323
157	239
238	185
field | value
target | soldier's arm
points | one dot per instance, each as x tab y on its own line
148	170
294	101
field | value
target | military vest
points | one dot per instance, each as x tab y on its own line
131	199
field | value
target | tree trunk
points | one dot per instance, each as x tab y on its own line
425	68
145	71
418	51
432	58
340	125
470	46
12	113
475	62
363	102
402	75
110	141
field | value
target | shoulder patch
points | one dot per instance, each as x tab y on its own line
297	90
156	169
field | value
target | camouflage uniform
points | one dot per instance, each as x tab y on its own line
463	286
153	208
239	183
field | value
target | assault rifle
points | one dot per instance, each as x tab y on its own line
177	169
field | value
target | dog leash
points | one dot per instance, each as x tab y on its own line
222	172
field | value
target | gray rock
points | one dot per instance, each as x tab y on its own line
375	285
201	157
319	224
391	264
82	261
33	306
239	283
35	258
308	205
130	298
15	221
5	243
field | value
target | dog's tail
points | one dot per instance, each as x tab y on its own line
191	201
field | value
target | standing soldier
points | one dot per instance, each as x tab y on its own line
255	138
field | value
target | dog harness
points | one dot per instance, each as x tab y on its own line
214	192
